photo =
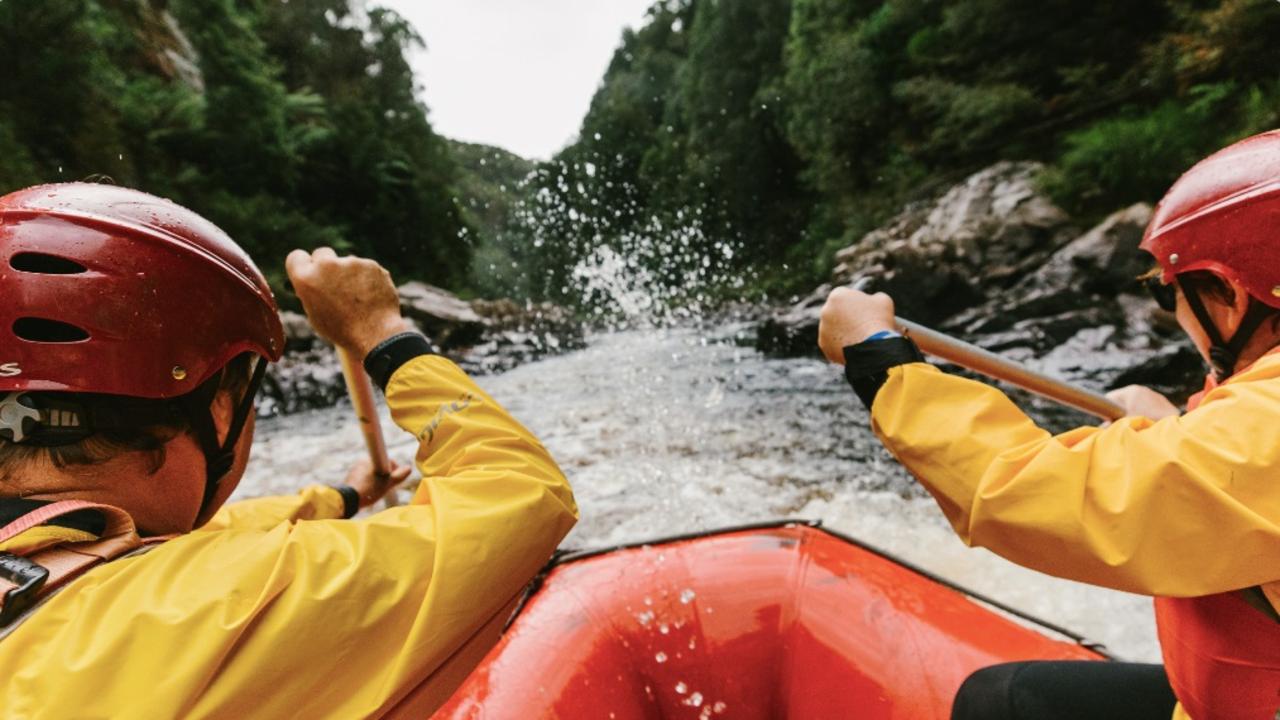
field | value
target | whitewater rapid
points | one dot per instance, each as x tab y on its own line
663	432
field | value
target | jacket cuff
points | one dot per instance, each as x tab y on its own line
867	364
350	500
383	361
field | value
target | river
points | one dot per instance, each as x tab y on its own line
666	431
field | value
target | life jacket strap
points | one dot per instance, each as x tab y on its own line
26	579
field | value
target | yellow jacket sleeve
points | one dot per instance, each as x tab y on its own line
313	618
316	502
1185	506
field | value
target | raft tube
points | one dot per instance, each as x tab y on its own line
774	621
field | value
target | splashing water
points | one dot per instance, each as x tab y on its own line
660	276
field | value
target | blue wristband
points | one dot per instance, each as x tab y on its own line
883	335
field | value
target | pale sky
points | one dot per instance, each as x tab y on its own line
518	74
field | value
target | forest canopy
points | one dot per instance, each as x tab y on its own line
731	147
289	124
788	128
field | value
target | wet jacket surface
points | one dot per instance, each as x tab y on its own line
278	608
1187	506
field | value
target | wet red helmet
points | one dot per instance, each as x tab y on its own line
1223	215
109	290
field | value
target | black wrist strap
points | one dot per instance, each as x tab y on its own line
384	360
350	500
867	364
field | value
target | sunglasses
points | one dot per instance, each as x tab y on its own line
1166	296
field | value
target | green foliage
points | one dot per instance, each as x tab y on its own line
490	182
289	124
1137	156
788	129
731	143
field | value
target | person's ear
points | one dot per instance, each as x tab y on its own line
222	410
1238	308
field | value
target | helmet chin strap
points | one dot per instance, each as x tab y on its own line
219	457
1223	356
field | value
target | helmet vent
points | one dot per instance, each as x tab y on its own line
43	264
48	331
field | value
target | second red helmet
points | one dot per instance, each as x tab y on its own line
1223	215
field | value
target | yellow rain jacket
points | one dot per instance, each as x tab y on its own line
1185	507
279	609
1181	507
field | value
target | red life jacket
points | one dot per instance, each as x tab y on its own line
1222	654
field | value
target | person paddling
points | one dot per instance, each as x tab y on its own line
1184	507
133	339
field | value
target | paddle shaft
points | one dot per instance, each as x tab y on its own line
360	387
992	365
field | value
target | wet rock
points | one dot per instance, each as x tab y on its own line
980	236
302	380
487	336
520	333
299	336
938	258
794	331
448	320
995	263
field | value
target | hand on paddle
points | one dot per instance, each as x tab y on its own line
851	316
350	301
372	486
1143	401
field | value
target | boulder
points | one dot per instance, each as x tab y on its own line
978	237
994	262
486	336
793	332
298	333
940	257
448	320
519	333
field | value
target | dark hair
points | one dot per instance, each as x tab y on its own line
109	444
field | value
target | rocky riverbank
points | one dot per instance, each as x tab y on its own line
994	261
483	336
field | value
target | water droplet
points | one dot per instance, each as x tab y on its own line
664	628
694	700
719	707
661	657
687	595
681	688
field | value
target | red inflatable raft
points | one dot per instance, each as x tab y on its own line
779	621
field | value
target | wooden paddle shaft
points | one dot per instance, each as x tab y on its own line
360	387
992	365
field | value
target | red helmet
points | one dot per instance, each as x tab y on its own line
1223	215
114	291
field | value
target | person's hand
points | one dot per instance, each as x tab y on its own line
851	316
1143	401
350	301
372	486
